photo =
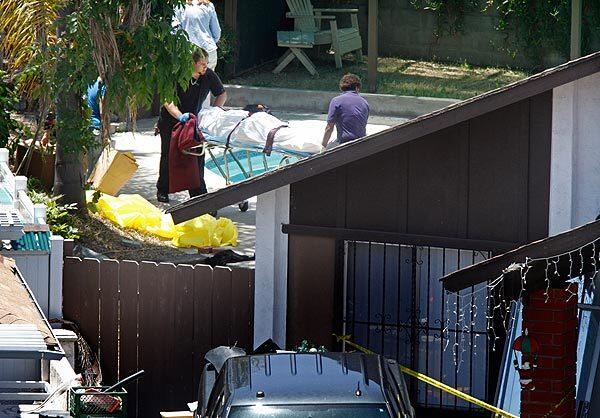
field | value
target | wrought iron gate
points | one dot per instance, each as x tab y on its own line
395	305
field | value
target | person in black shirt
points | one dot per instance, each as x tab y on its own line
203	81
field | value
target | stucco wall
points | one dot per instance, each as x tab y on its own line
575	172
270	285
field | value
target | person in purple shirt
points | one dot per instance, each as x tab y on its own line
348	112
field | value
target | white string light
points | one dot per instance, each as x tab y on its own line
499	307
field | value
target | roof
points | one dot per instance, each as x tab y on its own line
573	250
22	319
11	224
306	378
382	141
24	341
30	241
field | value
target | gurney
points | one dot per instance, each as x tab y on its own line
241	144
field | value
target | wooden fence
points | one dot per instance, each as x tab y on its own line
157	317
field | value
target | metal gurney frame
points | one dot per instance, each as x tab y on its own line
224	170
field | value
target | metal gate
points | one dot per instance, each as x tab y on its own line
395	305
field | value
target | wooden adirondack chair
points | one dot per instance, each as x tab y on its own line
308	33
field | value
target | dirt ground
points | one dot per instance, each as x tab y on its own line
100	235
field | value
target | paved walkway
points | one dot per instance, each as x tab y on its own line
146	148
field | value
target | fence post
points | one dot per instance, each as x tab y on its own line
39	213
68	247
3	156
20	185
373	32
55	282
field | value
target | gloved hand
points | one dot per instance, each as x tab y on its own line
184	117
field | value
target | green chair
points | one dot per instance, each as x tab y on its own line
308	33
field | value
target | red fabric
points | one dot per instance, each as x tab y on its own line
183	168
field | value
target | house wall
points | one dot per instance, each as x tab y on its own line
35	269
484	179
42	270
19	369
575	175
270	301
311	290
575	178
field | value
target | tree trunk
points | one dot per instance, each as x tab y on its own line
68	168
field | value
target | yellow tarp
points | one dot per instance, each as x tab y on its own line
133	211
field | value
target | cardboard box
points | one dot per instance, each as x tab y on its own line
113	169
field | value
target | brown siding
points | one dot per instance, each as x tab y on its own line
486	179
434	187
498	174
371	192
540	123
317	189
310	290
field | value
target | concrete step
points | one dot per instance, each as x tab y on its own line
314	101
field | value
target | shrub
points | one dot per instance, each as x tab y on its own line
58	217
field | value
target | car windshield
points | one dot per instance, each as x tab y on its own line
310	411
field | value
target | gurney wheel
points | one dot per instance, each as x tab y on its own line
243	206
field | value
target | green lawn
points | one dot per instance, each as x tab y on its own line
395	76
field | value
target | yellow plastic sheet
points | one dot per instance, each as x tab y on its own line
133	211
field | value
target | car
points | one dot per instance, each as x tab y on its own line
301	385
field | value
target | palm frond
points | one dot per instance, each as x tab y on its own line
26	28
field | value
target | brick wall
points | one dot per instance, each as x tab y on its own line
554	325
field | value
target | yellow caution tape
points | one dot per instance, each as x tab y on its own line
435	383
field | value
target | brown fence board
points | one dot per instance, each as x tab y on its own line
128	350
165	323
159	318
183	326
242	293
109	315
203	290
150	336
72	271
221	324
89	283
